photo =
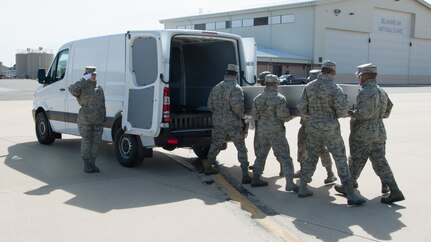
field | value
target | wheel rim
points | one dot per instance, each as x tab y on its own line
125	147
42	128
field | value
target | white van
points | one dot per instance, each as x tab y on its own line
156	86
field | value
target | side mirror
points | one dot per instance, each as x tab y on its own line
41	76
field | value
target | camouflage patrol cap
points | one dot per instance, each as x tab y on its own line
232	67
262	76
366	68
90	70
329	64
270	78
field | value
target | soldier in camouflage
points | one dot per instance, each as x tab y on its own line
261	81
270	111
226	102
368	134
91	116
325	158
323	102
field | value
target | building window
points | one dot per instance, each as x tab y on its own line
275	19
260	21
290	18
210	26
221	25
228	24
247	22
200	26
237	23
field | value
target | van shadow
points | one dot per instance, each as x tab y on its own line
159	180
322	216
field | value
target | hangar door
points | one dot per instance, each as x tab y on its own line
348	49
390	45
420	59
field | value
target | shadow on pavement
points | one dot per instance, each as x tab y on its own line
322	216
159	180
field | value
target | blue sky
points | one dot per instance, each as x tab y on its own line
50	23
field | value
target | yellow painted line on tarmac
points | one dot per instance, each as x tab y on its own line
261	218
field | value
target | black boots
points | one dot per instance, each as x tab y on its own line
90	166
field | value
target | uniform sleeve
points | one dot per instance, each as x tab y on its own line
388	110
237	102
75	89
283	112
364	107
210	102
341	103
303	104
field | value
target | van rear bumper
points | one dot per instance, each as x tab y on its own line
183	138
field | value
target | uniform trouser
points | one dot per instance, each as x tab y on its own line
335	146
281	149
360	151
219	135
91	139
325	158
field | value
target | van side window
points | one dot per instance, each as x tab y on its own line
144	59
58	67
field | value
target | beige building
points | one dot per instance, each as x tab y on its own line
298	35
28	62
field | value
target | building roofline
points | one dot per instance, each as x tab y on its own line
266	7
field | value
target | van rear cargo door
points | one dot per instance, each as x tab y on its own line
249	50
142	112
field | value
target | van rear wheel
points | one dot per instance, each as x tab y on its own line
44	133
127	149
201	151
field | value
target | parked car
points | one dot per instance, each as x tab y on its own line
291	80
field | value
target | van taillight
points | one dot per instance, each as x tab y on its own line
166	105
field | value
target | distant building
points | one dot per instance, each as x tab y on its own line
28	62
298	35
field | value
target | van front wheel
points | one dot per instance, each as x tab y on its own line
44	133
127	149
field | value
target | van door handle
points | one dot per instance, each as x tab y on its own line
62	89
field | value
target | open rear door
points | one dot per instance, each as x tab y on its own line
249	50
143	90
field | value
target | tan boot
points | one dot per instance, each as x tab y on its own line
208	169
303	190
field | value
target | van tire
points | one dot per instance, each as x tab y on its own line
201	151
44	133
127	149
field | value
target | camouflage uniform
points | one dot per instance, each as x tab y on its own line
325	158
324	102
91	116
367	131
270	110
226	102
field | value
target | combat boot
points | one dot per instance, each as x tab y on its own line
352	198
385	188
246	178
340	189
303	190
330	176
87	166
394	196
291	186
93	165
257	182
209	169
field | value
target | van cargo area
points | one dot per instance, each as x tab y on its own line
197	64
